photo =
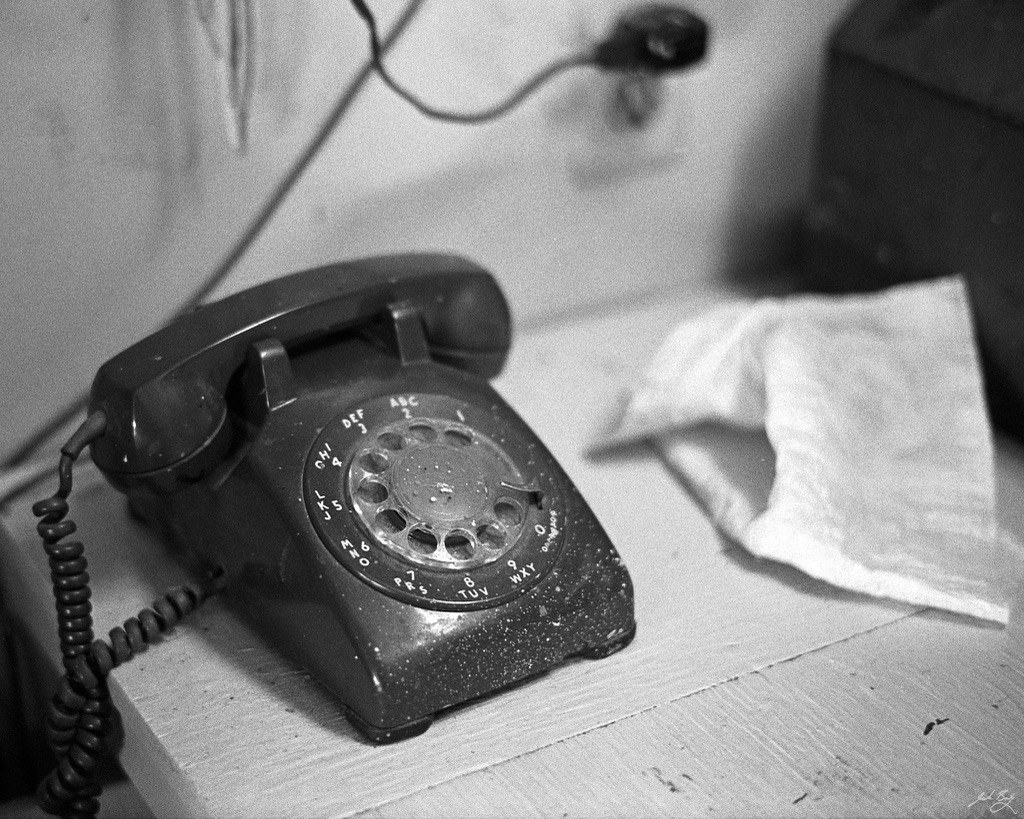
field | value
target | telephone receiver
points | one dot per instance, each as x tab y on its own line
330	441
165	398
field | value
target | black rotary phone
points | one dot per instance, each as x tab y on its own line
380	513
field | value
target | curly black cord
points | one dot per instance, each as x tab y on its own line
68	566
80	718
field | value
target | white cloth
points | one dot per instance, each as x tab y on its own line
865	416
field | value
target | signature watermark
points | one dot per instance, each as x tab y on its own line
996	801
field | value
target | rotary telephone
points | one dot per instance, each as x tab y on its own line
329	439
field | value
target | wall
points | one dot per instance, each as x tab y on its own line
121	187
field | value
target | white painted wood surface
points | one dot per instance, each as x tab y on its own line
750	689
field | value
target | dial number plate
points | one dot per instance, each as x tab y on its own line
423	498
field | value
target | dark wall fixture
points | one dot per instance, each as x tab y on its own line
920	167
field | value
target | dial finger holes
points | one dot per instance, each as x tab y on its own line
390	521
375	461
491	536
459	545
391	440
422	540
372	492
508	512
424	433
456	438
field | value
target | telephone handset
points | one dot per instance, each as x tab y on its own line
380	513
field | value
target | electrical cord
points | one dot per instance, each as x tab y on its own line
81	715
489	114
80	721
42	434
298	168
287	183
252	232
654	37
500	109
81	718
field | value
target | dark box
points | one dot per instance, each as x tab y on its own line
920	167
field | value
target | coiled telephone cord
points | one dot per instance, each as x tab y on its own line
80	717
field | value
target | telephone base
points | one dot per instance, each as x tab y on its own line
408	730
617	643
380	513
385	736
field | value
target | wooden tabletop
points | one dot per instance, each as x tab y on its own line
750	689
